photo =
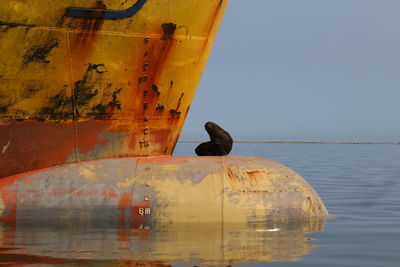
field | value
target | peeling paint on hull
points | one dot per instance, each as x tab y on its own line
86	88
163	189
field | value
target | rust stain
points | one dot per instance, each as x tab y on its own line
166	136
89	134
155	89
83	42
124	203
175	111
142	233
33	140
109	194
62	111
62	149
209	27
232	176
123	234
155	60
85	193
27	181
31	191
187	111
55	192
255	174
213	18
88	30
74	118
71	190
160	107
136	217
168	30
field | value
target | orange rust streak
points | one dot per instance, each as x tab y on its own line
123	234
157	52
86	38
210	25
232	176
91	134
55	192
255	174
30	139
124	203
142	234
31	191
112	194
213	18
141	204
85	193
109	194
136	218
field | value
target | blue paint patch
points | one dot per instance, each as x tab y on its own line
14	25
93	13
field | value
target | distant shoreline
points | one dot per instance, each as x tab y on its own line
306	142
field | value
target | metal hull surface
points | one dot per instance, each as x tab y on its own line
87	80
135	191
160	210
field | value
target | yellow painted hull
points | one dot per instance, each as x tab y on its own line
91	87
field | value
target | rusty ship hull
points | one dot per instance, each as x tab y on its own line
93	97
88	80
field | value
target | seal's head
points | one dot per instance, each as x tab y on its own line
216	133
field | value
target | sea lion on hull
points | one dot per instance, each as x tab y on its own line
220	144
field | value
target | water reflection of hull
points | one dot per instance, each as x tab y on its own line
159	245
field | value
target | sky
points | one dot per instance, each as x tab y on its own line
303	70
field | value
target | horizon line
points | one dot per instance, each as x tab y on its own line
305	142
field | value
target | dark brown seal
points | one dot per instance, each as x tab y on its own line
220	144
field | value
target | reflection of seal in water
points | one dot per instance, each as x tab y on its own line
220	144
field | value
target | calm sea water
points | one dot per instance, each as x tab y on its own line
360	186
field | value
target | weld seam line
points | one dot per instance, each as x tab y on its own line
154	35
73	97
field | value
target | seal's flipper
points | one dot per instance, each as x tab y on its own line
206	149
